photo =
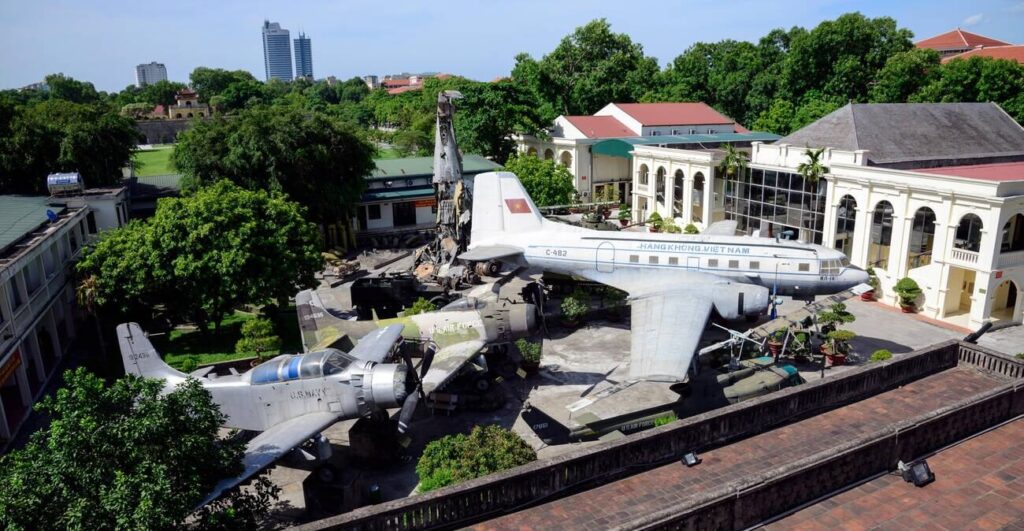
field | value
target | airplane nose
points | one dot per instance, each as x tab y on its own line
523	319
854	275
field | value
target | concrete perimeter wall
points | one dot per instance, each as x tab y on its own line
543	480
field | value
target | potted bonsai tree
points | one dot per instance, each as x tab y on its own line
625	214
838	345
531	353
670	227
775	341
873	282
908	291
655	222
690	228
574	308
575	206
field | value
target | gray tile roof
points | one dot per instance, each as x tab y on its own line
918	135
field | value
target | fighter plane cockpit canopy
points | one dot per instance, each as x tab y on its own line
301	366
465	303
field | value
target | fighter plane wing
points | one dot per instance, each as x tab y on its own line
376	345
270	445
447	362
666	327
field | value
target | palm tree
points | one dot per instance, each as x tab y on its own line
733	162
812	169
87	293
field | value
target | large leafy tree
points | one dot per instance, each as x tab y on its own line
126	456
59	135
160	93
209	82
904	74
977	79
489	116
547	182
205	254
66	88
589	69
316	159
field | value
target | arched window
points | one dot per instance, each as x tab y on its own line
549	155
645	175
1013	235
178	115
881	235
532	152
922	238
677	194
189	115
698	197
566	159
968	233
846	221
659	189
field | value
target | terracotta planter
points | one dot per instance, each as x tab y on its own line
907	308
774	347
652	229
623	222
868	295
836	359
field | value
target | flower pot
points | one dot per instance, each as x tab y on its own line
623	222
530	367
868	295
774	347
569	323
836	359
907	308
652	229
574	210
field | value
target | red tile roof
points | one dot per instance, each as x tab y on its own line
1000	172
390	83
600	126
407	88
653	114
958	38
1013	53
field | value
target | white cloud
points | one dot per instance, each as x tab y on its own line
972	20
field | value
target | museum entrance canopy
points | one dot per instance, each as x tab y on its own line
623	147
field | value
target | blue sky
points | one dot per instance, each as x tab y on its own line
102	40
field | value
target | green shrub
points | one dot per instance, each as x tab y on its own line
188	365
690	228
1020	355
575	306
530	350
669	226
456	458
655	221
625	212
907	290
420	306
665	419
258	336
881	355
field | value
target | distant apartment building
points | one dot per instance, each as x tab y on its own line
147	74
277	51
303	57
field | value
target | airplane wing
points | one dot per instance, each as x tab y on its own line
267	447
376	345
447	362
666	327
490	252
726	227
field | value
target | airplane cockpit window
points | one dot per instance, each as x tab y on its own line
465	303
336	361
311	365
279	369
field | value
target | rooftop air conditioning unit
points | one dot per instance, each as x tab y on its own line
65	183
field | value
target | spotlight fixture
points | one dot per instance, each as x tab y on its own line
917	472
691	459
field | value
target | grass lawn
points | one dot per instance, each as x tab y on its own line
155	161
180	345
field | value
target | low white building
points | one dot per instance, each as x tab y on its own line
597	149
934	192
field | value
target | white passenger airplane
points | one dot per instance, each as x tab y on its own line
674	281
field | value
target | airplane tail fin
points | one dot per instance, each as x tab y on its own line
502	206
322	330
139	356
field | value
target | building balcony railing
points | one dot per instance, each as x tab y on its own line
964	256
1008	260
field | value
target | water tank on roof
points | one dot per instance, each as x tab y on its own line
65	183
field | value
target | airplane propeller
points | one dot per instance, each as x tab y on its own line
414	385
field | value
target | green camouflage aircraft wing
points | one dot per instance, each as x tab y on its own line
448	361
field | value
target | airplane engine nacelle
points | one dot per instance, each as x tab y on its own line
376	385
740	300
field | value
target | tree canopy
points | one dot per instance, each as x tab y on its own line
126	456
456	458
546	181
205	254
313	157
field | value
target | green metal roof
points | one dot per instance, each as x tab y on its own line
20	215
388	194
622	147
424	167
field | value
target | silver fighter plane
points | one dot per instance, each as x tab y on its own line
289	399
674	281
